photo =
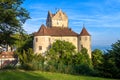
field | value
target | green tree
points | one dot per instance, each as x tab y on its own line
97	59
24	42
12	17
82	62
112	61
29	60
62	50
59	57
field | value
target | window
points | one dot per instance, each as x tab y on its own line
36	39
40	47
81	46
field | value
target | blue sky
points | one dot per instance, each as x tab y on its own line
101	17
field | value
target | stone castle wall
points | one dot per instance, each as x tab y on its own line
46	41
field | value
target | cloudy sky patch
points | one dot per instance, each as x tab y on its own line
100	17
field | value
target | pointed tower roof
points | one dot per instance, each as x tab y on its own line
84	32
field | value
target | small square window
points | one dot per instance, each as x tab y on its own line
81	46
40	47
36	39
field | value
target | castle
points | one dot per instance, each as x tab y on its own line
57	29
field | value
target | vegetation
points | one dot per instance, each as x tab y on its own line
23	41
112	61
107	64
29	60
12	17
97	61
38	75
62	58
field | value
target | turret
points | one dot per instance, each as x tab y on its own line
85	41
59	19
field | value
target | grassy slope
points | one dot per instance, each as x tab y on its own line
37	75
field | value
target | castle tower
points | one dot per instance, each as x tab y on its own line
59	19
85	41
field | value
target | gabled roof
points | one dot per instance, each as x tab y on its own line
84	32
54	31
42	31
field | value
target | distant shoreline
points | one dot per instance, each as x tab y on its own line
103	48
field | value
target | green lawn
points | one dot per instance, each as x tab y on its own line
38	75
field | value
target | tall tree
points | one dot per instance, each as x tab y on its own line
62	50
112	61
23	42
12	17
97	59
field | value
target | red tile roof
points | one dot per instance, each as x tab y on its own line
84	32
6	55
54	31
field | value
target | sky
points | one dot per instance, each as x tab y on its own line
100	17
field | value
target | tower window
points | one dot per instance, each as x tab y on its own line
36	39
40	47
81	46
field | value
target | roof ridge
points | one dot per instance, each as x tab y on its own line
55	31
84	32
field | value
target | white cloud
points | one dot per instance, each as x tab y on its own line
111	20
38	19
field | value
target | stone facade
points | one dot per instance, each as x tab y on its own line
45	42
59	19
57	29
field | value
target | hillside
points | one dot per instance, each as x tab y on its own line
38	75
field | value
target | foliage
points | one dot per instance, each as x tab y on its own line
97	61
62	58
82	62
61	51
12	17
29	60
97	58
112	61
23	41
